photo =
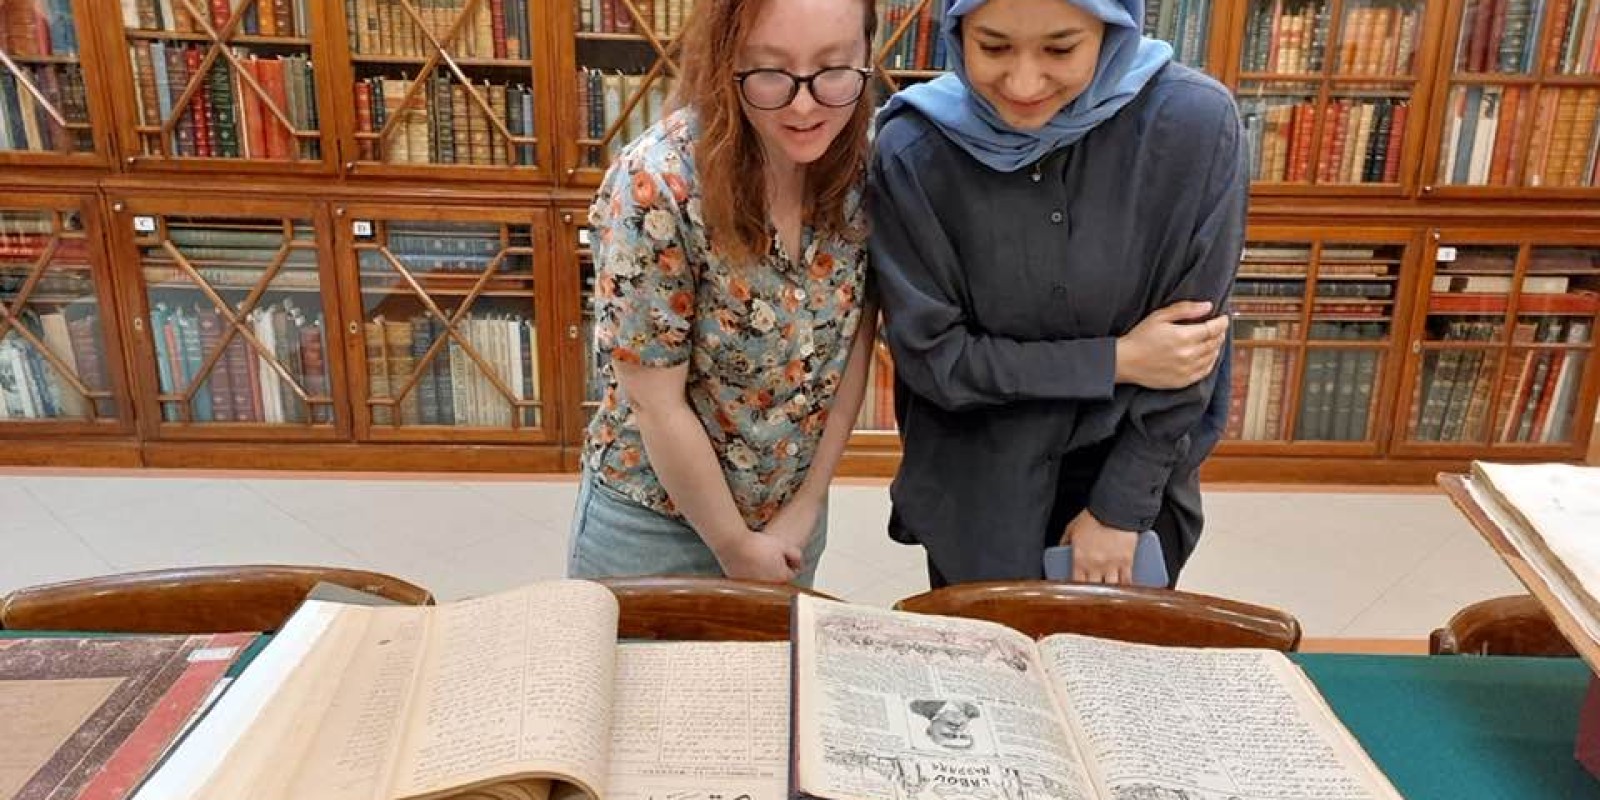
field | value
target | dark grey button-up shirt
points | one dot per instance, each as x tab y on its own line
1003	296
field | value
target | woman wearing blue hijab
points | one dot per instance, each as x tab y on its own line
1054	230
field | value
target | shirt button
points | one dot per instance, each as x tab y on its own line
792	448
1037	177
1056	217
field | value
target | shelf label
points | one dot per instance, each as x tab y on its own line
144	224
361	228
1445	254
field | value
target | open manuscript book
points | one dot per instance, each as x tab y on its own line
896	706
524	695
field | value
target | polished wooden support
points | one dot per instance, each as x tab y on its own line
1127	613
704	609
1516	625
189	600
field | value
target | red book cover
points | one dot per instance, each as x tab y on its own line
270	73
497	26
197	103
1397	132
364	117
255	131
182	704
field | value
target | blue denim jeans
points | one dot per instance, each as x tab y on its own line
613	536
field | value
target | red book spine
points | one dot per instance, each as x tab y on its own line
1397	133
180	705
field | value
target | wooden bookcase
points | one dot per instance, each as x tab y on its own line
51	96
61	364
272	230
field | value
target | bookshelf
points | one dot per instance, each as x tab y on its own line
452	310
1521	111
623	57
1333	93
393	193
449	87
1500	347
50	97
230	320
60	371
1314	339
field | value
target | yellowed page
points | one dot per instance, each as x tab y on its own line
355	745
272	754
515	684
896	706
700	720
38	717
1207	724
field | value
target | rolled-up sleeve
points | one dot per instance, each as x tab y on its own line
1153	436
937	351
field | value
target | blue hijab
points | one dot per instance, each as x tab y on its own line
1127	62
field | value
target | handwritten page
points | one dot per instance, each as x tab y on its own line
1207	723
896	706
514	684
700	720
37	718
355	745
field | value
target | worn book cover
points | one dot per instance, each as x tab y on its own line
86	718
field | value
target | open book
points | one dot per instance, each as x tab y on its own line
1550	515
524	695
897	706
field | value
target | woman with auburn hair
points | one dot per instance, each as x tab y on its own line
730	301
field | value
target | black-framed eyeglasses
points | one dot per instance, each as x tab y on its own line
770	89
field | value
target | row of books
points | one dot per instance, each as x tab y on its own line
226	117
31	386
497	28
1574	47
452	389
446	247
1361	140
877	407
1537	390
664	18
442	123
1499	35
1256	396
38	28
26	123
278	18
920	47
602	97
1487	136
1337	387
1373	290
1288	37
1186	24
245	384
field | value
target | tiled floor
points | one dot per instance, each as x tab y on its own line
1348	564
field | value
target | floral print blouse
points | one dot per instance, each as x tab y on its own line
766	342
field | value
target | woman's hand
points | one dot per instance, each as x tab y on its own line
1172	348
757	556
1100	554
796	521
